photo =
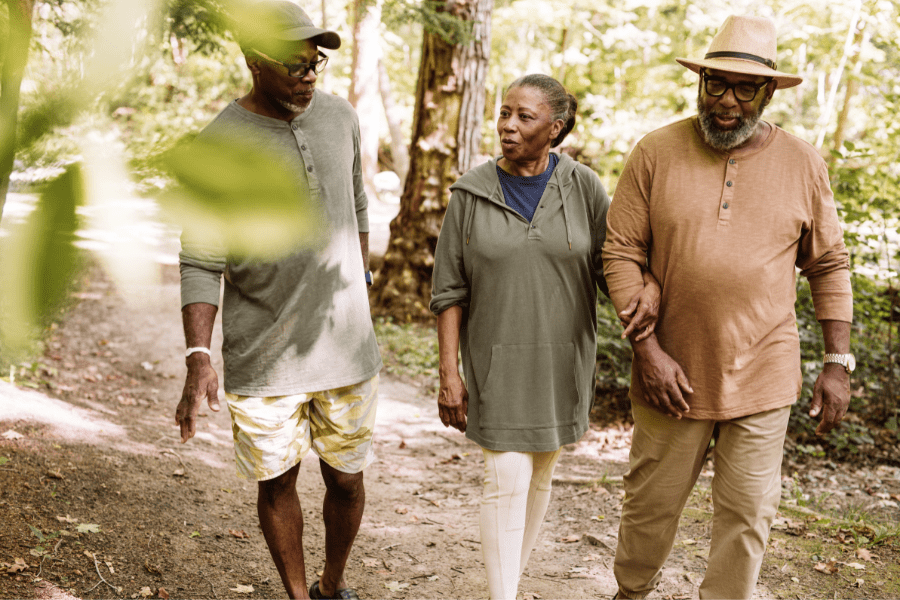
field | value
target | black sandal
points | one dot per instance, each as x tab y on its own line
342	594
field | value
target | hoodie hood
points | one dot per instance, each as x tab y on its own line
484	185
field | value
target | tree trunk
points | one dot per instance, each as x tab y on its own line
399	151
15	57
446	141
364	91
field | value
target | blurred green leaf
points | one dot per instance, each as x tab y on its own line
38	260
247	201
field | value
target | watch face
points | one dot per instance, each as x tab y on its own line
851	362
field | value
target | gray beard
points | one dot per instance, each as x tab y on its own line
291	106
727	139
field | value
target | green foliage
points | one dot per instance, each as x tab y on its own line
249	202
408	350
613	353
433	16
204	23
38	261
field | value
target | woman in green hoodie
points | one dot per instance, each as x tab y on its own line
516	273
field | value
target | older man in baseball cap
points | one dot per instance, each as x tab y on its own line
301	361
724	206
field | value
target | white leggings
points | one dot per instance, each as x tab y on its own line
516	496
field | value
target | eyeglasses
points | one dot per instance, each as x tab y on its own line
744	92
298	70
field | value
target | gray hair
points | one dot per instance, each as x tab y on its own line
563	105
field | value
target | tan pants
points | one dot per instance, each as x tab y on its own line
516	496
666	458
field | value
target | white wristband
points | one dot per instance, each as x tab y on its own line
198	349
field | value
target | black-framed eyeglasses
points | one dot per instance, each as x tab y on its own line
744	92
297	70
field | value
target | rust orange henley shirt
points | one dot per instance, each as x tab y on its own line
724	233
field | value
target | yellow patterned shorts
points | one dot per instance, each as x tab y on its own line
272	434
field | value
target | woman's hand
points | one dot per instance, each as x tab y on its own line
643	310
453	402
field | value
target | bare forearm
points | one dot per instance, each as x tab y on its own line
448	323
198	320
364	245
836	335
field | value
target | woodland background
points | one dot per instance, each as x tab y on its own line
100	99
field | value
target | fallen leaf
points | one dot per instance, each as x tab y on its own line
18	566
401	510
162	593
829	568
855	565
396	586
147	366
402	444
433	577
11	435
194	534
152	568
3	460
592	558
238	534
88	554
795	579
864	554
110	567
54	474
66	519
145	592
371	562
242	589
179	472
858	583
571	539
88	528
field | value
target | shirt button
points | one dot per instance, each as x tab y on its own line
303	147
309	169
725	205
731	162
294	127
729	184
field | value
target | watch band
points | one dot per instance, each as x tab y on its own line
848	361
190	351
369	277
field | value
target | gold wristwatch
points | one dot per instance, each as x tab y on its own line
848	361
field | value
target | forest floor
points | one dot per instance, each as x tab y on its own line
98	499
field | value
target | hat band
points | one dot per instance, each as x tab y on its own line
765	61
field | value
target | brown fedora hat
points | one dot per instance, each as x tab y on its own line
744	45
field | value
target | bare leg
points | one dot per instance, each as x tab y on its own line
281	519
345	499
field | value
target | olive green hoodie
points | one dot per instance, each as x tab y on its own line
529	296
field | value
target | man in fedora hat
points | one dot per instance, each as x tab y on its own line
301	361
723	207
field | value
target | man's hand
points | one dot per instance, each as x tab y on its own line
453	402
831	397
201	382
662	379
643	310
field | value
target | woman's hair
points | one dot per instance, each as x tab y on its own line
563	105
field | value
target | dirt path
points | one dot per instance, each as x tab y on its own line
100	500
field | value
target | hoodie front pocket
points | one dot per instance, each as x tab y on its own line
530	386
